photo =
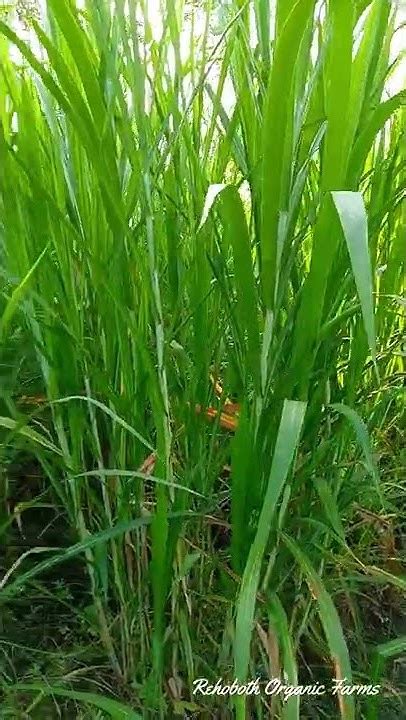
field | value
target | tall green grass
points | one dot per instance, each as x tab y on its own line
223	200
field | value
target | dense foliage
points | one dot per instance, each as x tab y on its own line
202	265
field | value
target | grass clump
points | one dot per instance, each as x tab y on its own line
201	251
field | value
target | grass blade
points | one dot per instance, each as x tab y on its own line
81	547
383	652
116	710
17	295
361	432
285	448
28	433
351	211
331	625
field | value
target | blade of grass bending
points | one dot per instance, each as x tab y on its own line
390	649
366	138
353	218
286	444
330	506
331	624
361	432
140	476
384	578
17	295
115	709
74	550
29	433
211	196
108	412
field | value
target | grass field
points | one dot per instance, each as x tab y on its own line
202	264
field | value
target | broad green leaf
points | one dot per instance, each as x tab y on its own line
309	317
286	444
277	142
337	83
351	211
114	126
236	237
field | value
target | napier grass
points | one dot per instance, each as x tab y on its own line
202	228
